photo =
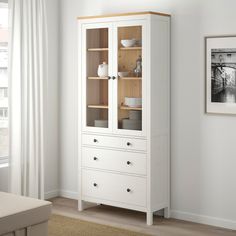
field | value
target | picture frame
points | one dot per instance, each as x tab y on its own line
220	69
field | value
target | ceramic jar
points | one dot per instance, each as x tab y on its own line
103	70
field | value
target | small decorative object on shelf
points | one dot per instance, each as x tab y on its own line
138	68
103	69
123	74
128	42
135	115
133	102
134	122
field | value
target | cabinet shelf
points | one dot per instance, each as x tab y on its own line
97	78
131	108
120	78
130	48
97	49
99	106
130	78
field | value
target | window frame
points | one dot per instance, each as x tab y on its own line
4	160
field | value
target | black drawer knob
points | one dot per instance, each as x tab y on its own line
128	162
95	140
128	190
128	144
95	185
113	77
95	158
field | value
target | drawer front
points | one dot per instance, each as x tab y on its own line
114	142
133	163
114	187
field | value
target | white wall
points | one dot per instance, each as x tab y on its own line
203	146
51	158
3	179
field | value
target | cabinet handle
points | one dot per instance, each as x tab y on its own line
95	158
95	185
128	162
128	190
128	144
95	140
113	77
109	77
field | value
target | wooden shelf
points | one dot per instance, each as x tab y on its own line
97	49
120	78
131	108
102	106
98	78
131	48
130	78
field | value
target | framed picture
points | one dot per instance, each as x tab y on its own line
221	74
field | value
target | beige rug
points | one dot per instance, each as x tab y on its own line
65	226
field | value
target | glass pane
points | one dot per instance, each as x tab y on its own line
3	81
97	77
130	78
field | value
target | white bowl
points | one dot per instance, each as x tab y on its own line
133	102
123	74
128	42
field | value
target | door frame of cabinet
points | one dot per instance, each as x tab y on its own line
116	25
113	71
85	27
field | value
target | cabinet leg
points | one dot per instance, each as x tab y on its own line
80	205
167	212
149	218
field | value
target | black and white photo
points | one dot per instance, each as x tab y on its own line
221	74
223	71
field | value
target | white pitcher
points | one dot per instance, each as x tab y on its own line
103	69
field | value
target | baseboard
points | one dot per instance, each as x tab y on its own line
51	194
202	219
68	194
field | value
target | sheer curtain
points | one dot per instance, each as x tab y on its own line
28	81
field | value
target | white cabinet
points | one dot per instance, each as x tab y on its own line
124	111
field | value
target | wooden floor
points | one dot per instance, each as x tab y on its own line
135	221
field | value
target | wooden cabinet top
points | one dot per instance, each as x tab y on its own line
123	14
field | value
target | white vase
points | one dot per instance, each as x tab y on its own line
103	70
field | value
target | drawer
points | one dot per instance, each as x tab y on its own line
133	163
114	187
114	142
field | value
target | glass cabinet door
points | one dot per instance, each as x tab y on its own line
97	70
129	78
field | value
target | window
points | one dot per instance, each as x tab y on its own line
4	136
3	113
3	93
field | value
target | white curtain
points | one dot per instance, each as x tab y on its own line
28	82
